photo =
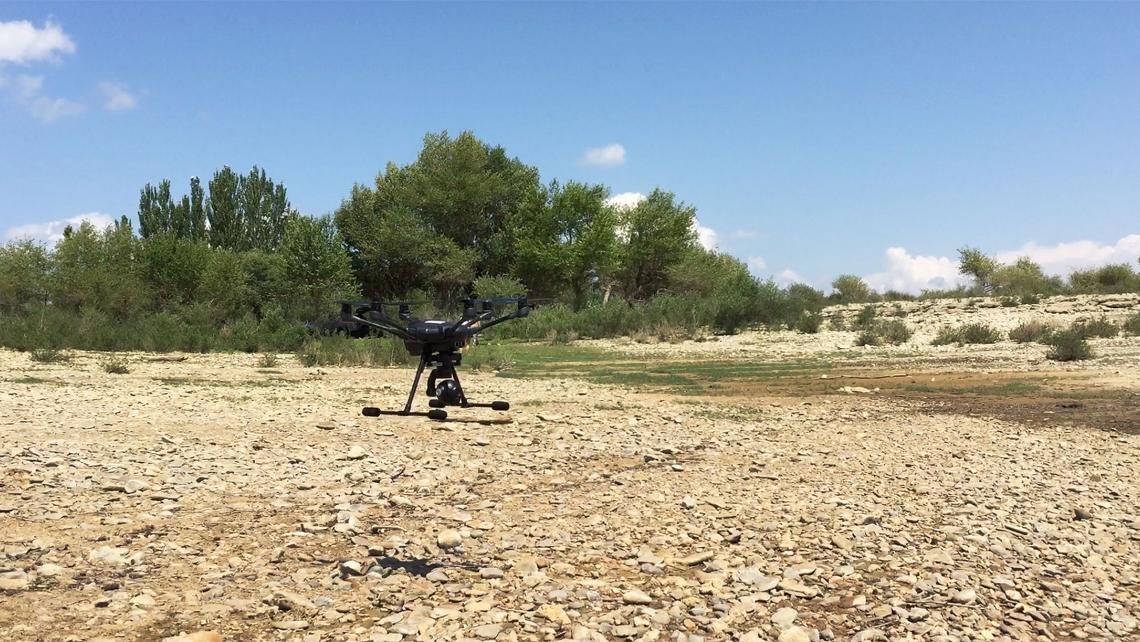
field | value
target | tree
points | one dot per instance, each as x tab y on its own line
24	269
316	265
223	211
570	244
658	232
851	289
972	262
156	210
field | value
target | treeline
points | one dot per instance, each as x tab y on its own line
230	264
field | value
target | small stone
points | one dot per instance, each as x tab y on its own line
437	575
482	441
144	601
1081	514
965	596
688	502
488	631
356	452
636	597
351	568
794	634
449	539
554	613
784	617
696	558
291	625
13	581
199	636
108	555
490	573
326	426
135	485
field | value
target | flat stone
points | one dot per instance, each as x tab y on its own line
636	596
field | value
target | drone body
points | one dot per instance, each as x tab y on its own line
438	343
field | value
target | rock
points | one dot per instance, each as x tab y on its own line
49	570
490	573
636	596
351	568
696	558
488	631
784	617
135	485
291	601
554	613
291	625
449	538
200	636
13	581
144	601
437	575
481	441
1081	514
965	596
794	634
326	426
688	502
108	555
356	452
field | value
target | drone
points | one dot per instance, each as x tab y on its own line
438	343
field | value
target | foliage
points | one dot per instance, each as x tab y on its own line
49	355
1098	328
1030	332
115	365
884	332
850	289
1068	345
973	333
974	263
657	234
866	317
1132	325
381	352
267	360
493	287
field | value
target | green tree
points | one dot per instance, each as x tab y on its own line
850	289
223	211
156	210
317	268
972	262
24	275
658	232
570	244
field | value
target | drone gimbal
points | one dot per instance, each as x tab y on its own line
437	343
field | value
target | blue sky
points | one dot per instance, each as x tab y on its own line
813	138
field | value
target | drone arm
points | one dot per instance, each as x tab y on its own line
384	325
514	315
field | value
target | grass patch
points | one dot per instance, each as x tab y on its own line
381	352
1132	325
267	360
1099	328
893	332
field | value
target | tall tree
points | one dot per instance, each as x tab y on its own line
223	211
657	233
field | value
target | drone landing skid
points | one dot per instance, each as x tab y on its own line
443	386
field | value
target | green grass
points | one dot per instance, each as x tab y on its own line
50	355
970	334
115	365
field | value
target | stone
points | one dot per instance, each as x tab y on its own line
199	636
108	555
784	617
794	634
554	613
356	453
636	596
488	631
965	596
449	538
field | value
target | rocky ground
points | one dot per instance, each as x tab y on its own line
212	495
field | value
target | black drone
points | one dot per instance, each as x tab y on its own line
437	343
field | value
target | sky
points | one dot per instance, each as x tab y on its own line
814	139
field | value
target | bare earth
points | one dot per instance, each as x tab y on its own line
912	494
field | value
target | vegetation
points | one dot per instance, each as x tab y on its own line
1030	332
884	332
231	265
1099	328
1068	345
1132	325
973	333
115	365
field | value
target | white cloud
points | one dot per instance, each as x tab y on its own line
625	200
27	91
788	276
744	234
756	263
52	231
1063	258
118	95
21	42
608	156
706	236
915	273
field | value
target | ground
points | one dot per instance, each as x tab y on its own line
737	489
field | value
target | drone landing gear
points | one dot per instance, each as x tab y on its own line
442	385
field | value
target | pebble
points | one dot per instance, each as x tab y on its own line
636	596
449	538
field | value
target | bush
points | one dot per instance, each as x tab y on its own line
809	323
1068	345
1030	332
1132	324
893	332
50	355
115	365
974	333
837	323
267	360
866	317
1009	302
344	351
1030	299
1100	328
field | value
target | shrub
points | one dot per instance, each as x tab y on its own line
1132	324
343	351
1068	345
50	355
974	333
1030	332
1009	302
866	317
492	287
1099	328
267	360
809	323
115	365
837	323
1030	299
892	332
